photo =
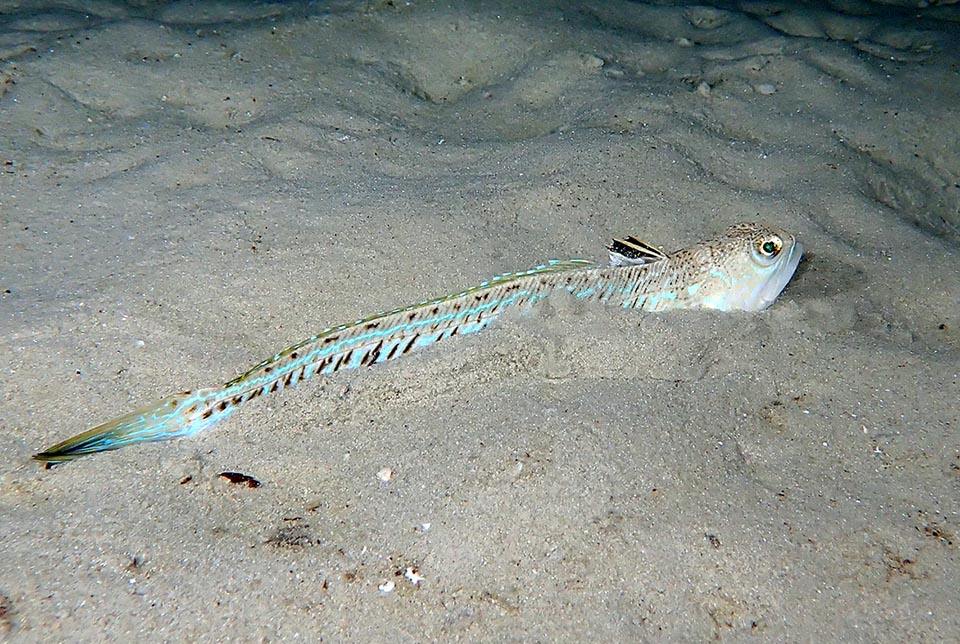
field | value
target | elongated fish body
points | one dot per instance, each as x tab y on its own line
744	269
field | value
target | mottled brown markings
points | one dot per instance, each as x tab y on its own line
192	409
336	365
267	369
275	387
223	405
372	325
286	381
409	344
237	400
207	414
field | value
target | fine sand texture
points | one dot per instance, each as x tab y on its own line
188	187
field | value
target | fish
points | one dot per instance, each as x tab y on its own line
745	268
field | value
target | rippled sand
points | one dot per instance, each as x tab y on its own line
186	188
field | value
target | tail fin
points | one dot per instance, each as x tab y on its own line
182	414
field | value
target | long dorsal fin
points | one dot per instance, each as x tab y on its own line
632	251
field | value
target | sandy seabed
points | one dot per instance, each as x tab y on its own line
186	188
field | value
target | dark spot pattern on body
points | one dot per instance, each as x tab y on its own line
393	351
372	355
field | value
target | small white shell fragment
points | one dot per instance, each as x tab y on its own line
386	587
413	575
425	527
703	89
386	475
765	88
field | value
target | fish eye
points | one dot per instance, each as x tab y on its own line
770	247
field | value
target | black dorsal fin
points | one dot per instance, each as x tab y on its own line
632	251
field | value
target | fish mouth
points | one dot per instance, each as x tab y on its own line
780	276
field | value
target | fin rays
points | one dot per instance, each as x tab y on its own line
632	251
178	415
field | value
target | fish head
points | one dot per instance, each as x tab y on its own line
745	268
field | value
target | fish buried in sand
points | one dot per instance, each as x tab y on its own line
743	269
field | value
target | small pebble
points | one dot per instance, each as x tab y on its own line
386	475
765	88
591	61
386	587
703	89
